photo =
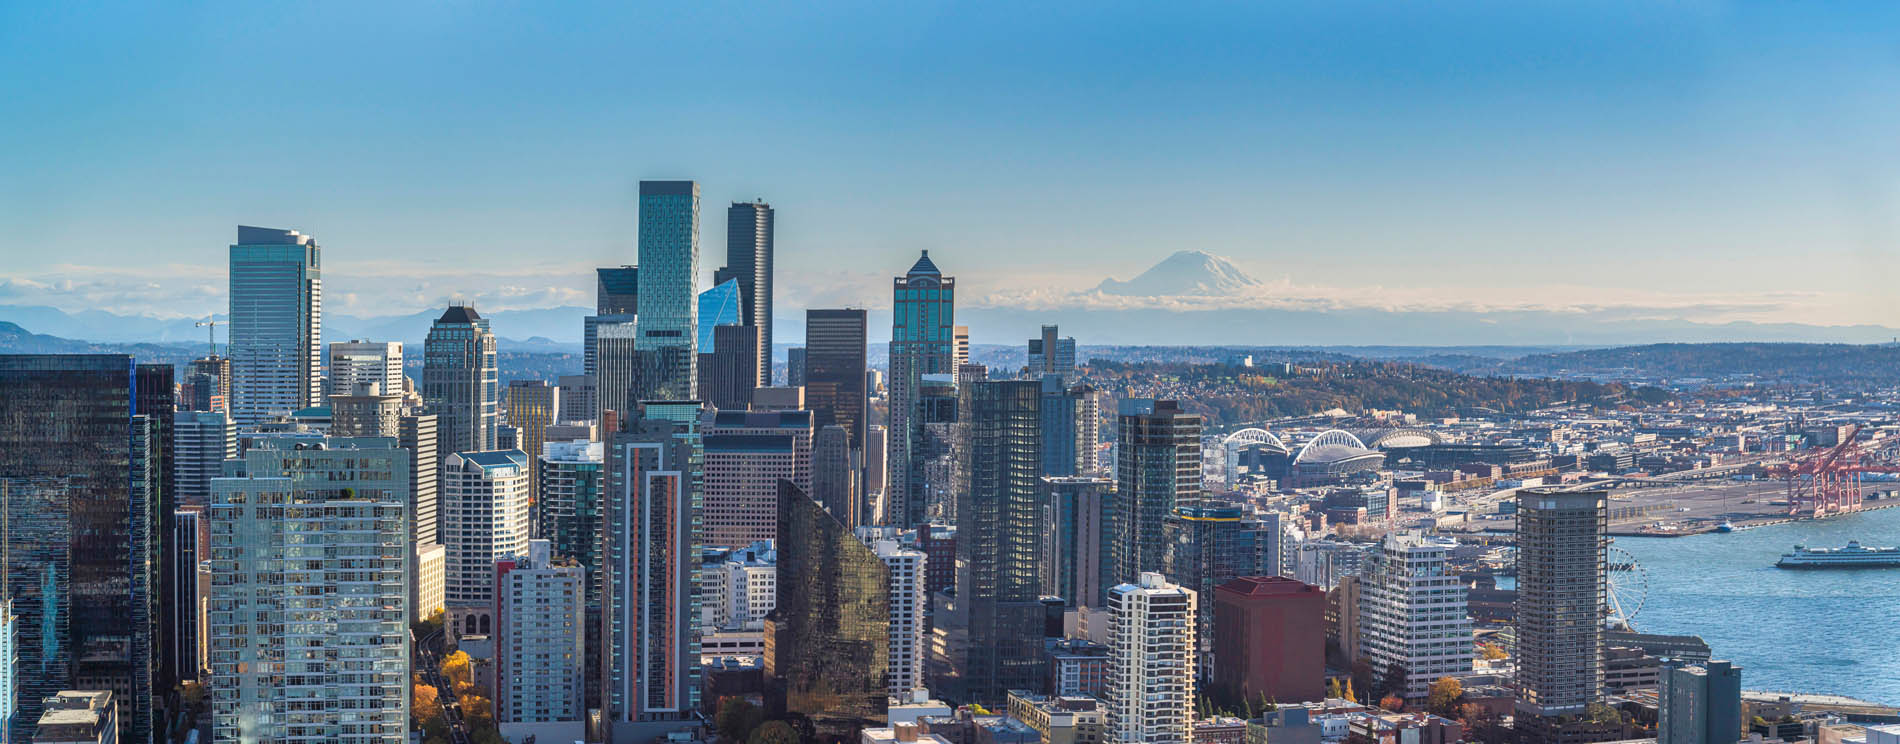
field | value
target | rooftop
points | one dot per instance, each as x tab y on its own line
459	314
1262	586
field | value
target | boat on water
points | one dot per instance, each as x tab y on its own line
1853	555
1725	527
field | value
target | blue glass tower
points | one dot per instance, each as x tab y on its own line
460	383
276	323
667	365
718	306
923	342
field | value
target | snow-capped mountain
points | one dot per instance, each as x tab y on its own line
1195	273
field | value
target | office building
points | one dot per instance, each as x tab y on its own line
78	717
795	367
293	517
429	590
276	321
10	668
366	410
1080	539
1562	580
84	574
616	299
650	627
572	477
719	305
1064	408
1088	429
741	487
616	373
1157	466
533	406
201	442
729	366
191	540
460	384
1205	543
580	398
749	259
1078	667
834	475
539	646
923	342
876	448
1050	355
960	347
738	588
416	433
1413	614
999	538
1150	696
355	363
1270	637
667	362
827	651
834	370
1699	704
207	385
484	520
934	454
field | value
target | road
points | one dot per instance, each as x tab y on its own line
429	664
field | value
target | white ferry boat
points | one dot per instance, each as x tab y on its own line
1854	555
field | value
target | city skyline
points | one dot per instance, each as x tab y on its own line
1704	141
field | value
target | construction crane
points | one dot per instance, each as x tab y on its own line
1827	482
210	324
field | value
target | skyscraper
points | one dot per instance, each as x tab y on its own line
1000	529
923	342
417	434
1150	696
1562	581
1049	355
718	306
1412	613
276	323
795	366
834	370
1080	539
83	567
616	371
742	475
907	567
573	485
650	630
834	482
615	301
669	276
190	540
1205	543
299	515
201	442
728	371
354	363
749	258
1063	410
207	385
1158	465
459	380
580	397
1270	635
533	406
827	656
484	519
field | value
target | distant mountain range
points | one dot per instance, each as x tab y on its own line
547	329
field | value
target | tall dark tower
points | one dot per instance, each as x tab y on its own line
749	260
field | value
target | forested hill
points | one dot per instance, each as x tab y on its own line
1228	393
1834	364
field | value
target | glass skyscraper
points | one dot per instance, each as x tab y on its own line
834	370
459	381
276	323
829	654
669	275
82	454
718	306
749	262
1157	466
923	342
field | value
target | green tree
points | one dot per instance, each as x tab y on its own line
774	732
1443	697
736	718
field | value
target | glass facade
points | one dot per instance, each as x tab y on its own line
276	323
828	641
1000	532
834	370
669	274
1157	466
923	342
651	627
459	381
718	306
749	227
85	469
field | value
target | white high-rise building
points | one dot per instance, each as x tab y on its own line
309	547
1151	664
484	519
1413	613
539	654
741	485
201	442
355	363
276	323
907	597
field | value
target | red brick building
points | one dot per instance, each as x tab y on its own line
1270	637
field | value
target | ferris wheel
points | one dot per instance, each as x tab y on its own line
1628	588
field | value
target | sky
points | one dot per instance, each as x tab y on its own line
1710	160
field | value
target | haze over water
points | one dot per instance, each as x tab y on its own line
1813	631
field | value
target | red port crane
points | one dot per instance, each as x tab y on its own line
1827	482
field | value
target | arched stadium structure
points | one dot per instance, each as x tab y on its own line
1247	440
1330	456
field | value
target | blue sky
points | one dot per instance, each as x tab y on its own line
1710	159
